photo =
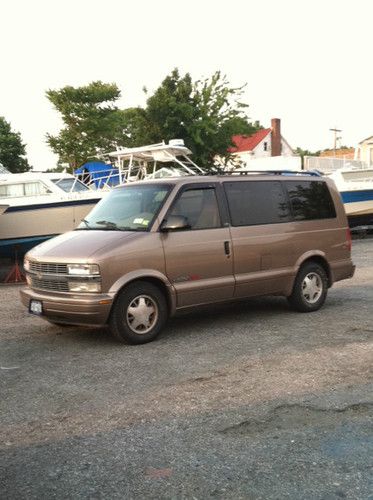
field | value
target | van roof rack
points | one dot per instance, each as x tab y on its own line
311	173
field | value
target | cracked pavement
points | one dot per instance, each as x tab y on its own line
247	400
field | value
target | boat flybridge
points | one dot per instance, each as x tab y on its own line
155	161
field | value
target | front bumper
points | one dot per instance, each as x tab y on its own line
73	309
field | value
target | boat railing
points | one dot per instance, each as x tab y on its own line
100	179
328	165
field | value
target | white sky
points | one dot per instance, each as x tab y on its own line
308	62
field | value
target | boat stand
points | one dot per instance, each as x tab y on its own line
15	275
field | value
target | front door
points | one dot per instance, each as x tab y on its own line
199	263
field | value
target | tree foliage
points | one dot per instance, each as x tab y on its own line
305	152
12	150
205	113
92	122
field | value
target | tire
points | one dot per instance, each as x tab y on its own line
310	288
139	313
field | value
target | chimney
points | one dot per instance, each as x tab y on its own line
276	137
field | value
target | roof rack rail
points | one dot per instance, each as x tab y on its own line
311	173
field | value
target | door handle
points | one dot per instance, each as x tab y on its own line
227	248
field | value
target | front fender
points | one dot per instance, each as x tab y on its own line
146	274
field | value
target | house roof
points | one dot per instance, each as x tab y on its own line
248	142
367	139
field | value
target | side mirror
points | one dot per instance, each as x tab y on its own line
175	223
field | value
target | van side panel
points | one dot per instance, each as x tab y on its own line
263	261
267	257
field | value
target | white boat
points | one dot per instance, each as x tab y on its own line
356	188
35	206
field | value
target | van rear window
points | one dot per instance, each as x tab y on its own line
310	200
256	202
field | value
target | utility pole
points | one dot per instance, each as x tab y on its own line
335	130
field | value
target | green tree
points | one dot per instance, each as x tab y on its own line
12	150
92	122
305	152
205	113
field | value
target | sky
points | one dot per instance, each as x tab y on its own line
308	62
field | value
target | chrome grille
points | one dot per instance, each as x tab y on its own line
45	284
48	268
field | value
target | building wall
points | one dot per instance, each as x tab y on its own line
262	151
286	149
365	151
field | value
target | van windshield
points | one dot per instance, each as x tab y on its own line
130	208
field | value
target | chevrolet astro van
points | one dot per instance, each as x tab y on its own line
152	248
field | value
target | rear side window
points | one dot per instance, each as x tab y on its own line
256	202
310	200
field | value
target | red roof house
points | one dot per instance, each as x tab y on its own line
264	142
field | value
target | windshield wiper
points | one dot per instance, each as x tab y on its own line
109	225
83	228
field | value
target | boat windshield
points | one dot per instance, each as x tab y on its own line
129	208
70	185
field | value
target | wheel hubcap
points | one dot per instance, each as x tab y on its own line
312	288
142	314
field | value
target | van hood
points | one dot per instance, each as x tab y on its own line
79	245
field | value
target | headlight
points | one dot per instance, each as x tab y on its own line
84	286
83	269
26	265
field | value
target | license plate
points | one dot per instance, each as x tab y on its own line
36	307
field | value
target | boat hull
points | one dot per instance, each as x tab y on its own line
23	227
359	207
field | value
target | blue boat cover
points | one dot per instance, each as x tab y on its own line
99	173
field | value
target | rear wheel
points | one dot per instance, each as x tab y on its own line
310	288
139	313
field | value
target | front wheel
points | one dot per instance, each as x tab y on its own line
139	313
310	288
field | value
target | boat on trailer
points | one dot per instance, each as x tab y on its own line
354	180
356	188
34	206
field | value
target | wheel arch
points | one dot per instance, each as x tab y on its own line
318	258
154	277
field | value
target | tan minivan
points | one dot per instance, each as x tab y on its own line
151	248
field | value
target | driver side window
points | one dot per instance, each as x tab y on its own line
200	207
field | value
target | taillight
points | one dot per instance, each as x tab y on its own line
349	239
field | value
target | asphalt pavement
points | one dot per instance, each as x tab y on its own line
248	400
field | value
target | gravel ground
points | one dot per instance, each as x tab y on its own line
248	400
